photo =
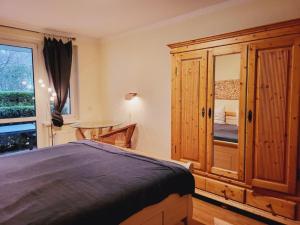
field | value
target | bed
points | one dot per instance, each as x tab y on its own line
226	132
92	183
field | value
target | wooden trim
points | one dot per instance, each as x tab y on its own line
285	32
224	172
203	105
247	208
221	178
175	110
293	118
242	112
210	102
249	31
226	143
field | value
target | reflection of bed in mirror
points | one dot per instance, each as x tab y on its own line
226	142
227	129
226	132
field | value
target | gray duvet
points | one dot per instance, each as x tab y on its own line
84	183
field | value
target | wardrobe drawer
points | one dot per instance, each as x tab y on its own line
276	206
200	182
228	191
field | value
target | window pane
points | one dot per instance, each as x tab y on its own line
67	108
17	97
17	137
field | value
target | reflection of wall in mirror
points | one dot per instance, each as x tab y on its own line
227	67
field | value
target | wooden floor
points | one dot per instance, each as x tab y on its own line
208	214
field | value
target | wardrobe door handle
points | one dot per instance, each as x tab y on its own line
203	112
250	116
209	113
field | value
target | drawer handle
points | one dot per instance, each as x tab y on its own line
209	113
271	209
224	193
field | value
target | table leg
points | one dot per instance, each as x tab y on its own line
94	134
80	134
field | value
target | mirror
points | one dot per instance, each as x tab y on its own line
226	111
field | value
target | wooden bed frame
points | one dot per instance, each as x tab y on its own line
173	210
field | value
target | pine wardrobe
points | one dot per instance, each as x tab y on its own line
235	116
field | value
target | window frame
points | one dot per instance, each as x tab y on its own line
36	76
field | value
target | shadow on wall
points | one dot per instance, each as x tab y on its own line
134	108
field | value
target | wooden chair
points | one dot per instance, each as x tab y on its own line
119	137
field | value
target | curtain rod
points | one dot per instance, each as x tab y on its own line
38	32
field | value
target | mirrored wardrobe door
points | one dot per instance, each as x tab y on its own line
226	110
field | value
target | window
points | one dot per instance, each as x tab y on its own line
17	99
67	108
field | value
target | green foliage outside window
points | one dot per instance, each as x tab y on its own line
16	104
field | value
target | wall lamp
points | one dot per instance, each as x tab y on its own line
130	95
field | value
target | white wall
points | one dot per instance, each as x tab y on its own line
139	61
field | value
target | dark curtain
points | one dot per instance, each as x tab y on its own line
58	61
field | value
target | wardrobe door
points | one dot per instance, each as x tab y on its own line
226	110
189	108
273	114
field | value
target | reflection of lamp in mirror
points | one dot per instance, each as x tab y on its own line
130	95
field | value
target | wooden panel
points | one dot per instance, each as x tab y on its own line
271	111
190	87
169	211
228	191
225	156
212	167
188	101
273	97
274	205
176	212
200	182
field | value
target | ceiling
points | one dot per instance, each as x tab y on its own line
96	18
